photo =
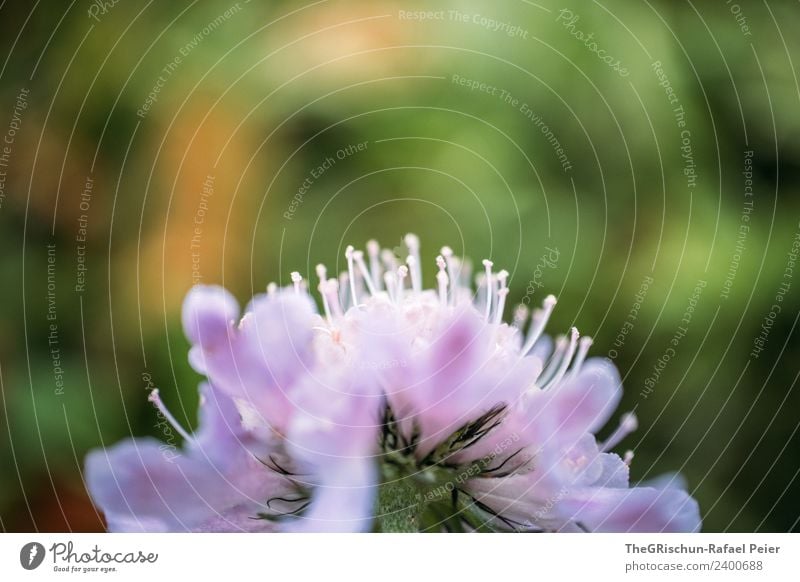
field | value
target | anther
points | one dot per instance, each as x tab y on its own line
297	279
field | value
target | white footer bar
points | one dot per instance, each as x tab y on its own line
389	557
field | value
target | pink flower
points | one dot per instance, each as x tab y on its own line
394	408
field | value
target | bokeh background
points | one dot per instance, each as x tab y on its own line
151	145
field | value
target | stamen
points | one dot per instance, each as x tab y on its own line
296	279
362	266
389	260
520	316
331	290
374	250
272	289
480	289
390	281
463	269
553	362
502	278
583	350
539	323
322	273
402	273
447	253
627	424
348	253
442	279
413	268
412	242
628	458
488	266
344	285
565	361
156	400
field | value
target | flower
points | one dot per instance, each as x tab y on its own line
393	408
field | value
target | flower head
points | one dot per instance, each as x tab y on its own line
393	408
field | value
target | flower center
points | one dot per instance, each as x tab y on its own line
425	492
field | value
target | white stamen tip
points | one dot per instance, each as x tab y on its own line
348	252
520	316
412	241
402	271
441	263
373	248
629	422
487	263
322	272
155	398
549	301
296	277
447	252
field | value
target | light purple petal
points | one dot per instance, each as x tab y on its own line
579	404
343	499
334	435
258	364
208	314
142	486
639	509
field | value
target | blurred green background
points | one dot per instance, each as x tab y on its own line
174	137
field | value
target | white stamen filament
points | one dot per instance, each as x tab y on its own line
539	322
502	278
374	250
402	273
344	285
487	264
322	273
442	279
565	361
521	313
413	261
447	253
389	260
348	253
553	362
413	269
156	400
627	424
362	266
628	458
583	350
390	281
331	290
